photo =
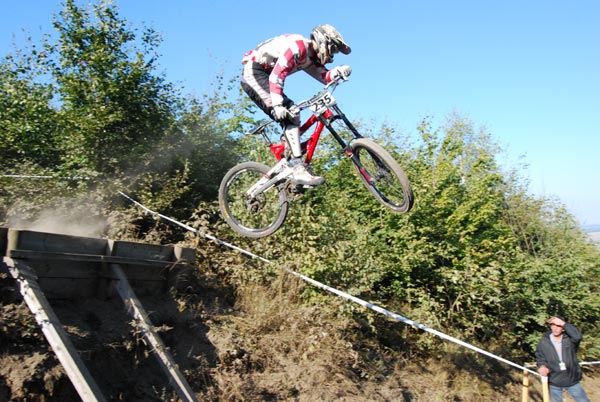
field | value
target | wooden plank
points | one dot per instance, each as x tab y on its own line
79	265
525	390
42	242
54	242
141	251
142	320
60	269
66	275
545	390
57	337
45	255
185	254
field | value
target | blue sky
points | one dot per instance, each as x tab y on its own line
526	71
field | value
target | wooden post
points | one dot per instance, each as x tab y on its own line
525	393
57	337
545	390
158	347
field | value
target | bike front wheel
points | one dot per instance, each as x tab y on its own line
254	217
382	175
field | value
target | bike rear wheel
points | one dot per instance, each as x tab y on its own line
252	217
382	176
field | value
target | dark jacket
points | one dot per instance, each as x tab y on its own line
547	356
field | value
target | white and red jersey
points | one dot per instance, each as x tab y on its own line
284	55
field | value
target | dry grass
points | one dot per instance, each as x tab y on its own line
277	348
281	348
256	342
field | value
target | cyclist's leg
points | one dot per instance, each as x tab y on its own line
291	131
298	170
255	82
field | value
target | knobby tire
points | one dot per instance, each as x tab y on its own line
383	176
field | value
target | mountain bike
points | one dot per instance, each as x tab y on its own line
254	198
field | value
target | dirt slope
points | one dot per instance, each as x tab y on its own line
256	342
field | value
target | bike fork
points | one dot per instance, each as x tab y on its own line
361	168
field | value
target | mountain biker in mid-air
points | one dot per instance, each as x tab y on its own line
267	66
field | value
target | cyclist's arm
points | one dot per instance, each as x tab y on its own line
294	56
318	72
290	60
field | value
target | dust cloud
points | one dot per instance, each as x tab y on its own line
71	222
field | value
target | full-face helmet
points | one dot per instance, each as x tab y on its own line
328	41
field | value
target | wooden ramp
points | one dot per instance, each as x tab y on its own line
50	266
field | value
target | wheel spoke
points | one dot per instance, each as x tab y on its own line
382	176
251	216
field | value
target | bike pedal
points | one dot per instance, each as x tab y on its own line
295	191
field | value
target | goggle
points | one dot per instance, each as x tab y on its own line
333	48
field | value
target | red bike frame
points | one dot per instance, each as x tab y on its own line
309	145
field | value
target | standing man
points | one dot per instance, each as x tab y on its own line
556	356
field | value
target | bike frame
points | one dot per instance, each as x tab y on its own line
320	122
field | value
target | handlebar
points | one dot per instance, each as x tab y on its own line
298	107
329	87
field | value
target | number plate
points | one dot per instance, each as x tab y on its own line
322	102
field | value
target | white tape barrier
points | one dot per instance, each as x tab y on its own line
191	229
343	294
21	176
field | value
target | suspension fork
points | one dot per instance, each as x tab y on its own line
346	146
339	115
328	118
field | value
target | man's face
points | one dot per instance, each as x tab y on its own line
557	330
325	58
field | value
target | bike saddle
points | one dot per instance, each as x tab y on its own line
260	128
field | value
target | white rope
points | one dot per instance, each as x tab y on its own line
22	176
191	229
407	321
345	295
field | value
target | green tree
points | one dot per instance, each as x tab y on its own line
27	118
115	108
90	104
